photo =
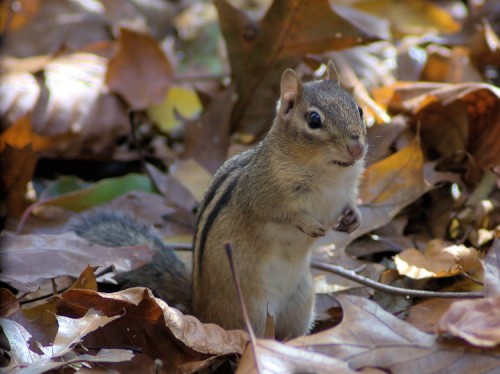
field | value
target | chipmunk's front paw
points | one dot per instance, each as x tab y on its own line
313	228
349	220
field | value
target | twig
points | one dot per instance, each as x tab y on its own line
246	318
56	292
133	125
349	274
471	278
27	212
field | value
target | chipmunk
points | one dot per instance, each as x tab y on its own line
270	203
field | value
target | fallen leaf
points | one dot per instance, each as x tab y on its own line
181	342
40	319
75	360
276	357
8	304
70	332
476	321
19	93
76	101
68	104
78	199
145	206
24	258
139	69
421	17
52	17
485	45
192	176
426	313
179	100
439	259
21	134
449	65
454	118
207	140
16	170
368	336
13	18
260	51
19	340
491	264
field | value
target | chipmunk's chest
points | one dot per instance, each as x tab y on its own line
329	195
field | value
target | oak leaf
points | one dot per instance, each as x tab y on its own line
368	336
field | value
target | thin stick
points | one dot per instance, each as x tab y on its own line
56	292
244	311
349	274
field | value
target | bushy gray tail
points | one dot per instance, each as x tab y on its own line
167	276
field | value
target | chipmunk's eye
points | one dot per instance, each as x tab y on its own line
313	120
360	112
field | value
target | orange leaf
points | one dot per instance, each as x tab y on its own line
21	134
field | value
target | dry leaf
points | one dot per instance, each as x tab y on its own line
426	313
139	70
454	118
70	332
477	321
68	25
439	259
181	342
179	103
24	258
21	134
368	336
16	170
207	140
8	303
276	357
68	100
491	264
19	93
13	20
420	16
192	176
40	319
260	51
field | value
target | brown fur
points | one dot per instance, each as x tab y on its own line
270	202
271	218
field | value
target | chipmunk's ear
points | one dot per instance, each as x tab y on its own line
291	89
332	73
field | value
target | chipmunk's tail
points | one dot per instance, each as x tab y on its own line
167	276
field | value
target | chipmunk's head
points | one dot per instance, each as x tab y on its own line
323	120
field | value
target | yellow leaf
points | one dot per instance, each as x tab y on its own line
179	100
420	16
388	181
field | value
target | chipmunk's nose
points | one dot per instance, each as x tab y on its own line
355	149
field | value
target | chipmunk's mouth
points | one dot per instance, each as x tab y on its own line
343	164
